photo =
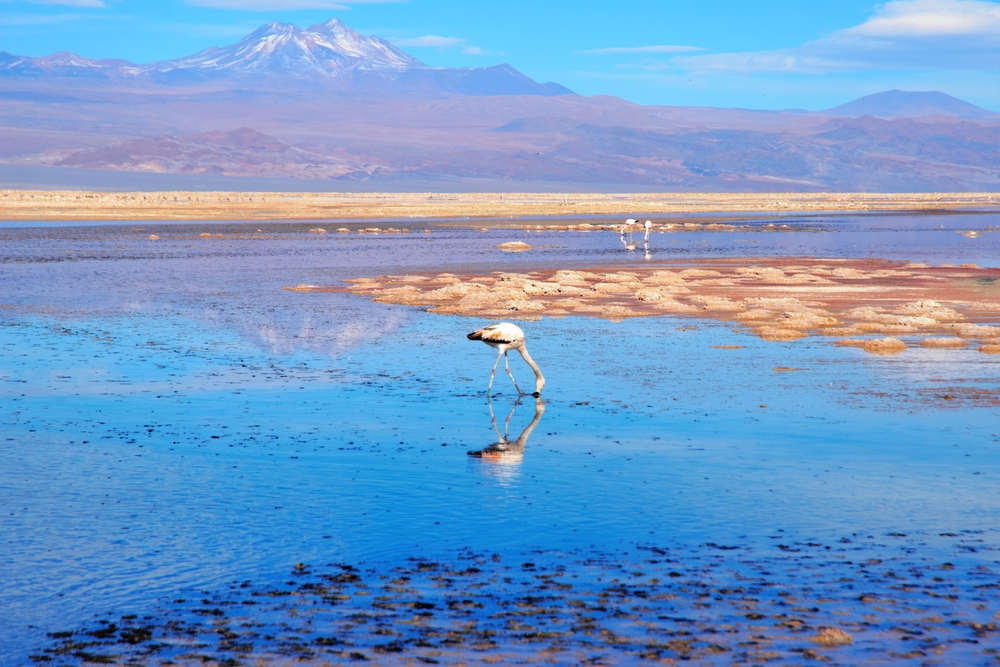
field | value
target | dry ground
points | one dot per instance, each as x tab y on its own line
72	205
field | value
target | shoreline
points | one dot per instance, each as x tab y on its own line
71	205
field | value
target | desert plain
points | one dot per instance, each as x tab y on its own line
56	205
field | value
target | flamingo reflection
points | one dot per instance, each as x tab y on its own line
506	451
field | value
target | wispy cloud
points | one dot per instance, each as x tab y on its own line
71	3
429	40
281	5
902	34
268	5
925	18
664	48
38	19
439	42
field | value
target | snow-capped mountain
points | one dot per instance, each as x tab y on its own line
62	64
324	50
329	54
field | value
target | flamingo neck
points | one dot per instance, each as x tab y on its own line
539	409
539	379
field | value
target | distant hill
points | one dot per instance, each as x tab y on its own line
903	104
281	55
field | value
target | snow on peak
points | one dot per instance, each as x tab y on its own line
327	49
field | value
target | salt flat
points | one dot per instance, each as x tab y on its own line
67	205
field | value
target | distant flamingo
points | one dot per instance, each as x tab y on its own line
649	226
504	337
627	229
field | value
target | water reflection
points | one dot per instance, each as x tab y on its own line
506	451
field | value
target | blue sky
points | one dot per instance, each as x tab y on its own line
765	55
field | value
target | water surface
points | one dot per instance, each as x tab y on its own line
172	420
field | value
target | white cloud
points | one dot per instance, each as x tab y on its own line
924	18
439	42
72	3
665	48
429	40
268	5
902	34
279	5
38	19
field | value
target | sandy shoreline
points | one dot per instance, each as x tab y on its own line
76	205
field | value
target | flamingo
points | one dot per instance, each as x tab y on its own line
627	228
504	337
649	226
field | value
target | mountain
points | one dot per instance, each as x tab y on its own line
332	109
279	55
242	152
903	104
327	50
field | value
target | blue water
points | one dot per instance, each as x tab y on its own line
174	420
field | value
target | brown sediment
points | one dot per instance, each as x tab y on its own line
884	346
79	205
946	342
832	637
864	303
514	246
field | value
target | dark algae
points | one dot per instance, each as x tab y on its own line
837	606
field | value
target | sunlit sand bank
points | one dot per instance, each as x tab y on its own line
849	300
73	205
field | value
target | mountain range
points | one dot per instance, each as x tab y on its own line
328	55
330	107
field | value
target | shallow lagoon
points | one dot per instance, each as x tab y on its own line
173	421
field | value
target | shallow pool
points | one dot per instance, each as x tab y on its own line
172	420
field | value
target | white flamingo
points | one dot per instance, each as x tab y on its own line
504	337
649	226
627	229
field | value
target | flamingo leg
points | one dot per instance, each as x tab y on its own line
507	366
506	424
493	374
493	418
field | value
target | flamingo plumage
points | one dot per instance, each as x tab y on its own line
504	337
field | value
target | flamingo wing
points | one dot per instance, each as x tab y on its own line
503	333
